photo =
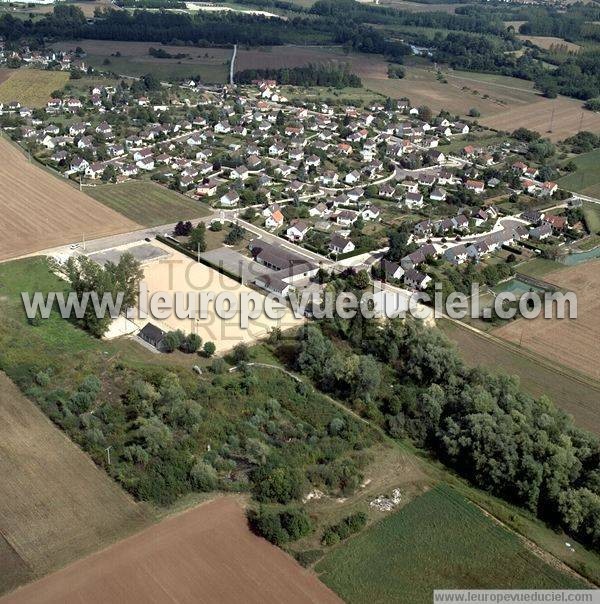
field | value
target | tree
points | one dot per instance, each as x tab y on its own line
191	343
209	349
182	229
474	112
280	484
203	477
241	353
198	238
172	340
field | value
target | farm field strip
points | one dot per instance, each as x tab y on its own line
207	553
31	87
40	211
573	343
575	395
438	541
55	504
147	203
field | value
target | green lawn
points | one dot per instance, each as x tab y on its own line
147	203
591	212
586	179
438	541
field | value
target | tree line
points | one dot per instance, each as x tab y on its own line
310	75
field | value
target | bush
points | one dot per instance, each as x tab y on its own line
203	477
342	530
279	527
209	349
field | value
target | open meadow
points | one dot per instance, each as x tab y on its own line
206	554
538	376
573	343
147	203
55	504
40	211
438	541
134	59
31	87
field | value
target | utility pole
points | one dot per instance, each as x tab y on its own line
108	453
552	117
580	122
83	240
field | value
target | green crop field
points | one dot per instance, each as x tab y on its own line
591	212
586	179
438	541
147	203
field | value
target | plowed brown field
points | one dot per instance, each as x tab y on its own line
204	555
55	504
39	211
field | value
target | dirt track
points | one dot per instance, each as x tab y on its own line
204	555
39	211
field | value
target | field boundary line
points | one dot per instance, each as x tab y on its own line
546	363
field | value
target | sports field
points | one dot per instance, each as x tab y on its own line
133	59
55	504
40	211
206	554
31	87
147	203
438	541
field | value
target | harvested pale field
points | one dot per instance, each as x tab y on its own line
569	118
547	42
179	273
574	343
5	74
275	57
31	87
459	93
417	7
206	554
55	504
538	375
39	211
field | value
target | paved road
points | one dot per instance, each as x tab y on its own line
232	65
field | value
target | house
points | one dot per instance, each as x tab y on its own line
352	177
541	232
413	200
476	186
346	217
297	230
207	188
456	255
319	210
392	270
558	223
425	227
438	194
274	220
79	164
386	191
549	188
146	163
231	198
418	257
371	213
153	335
416	279
340	245
241	173
95	170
